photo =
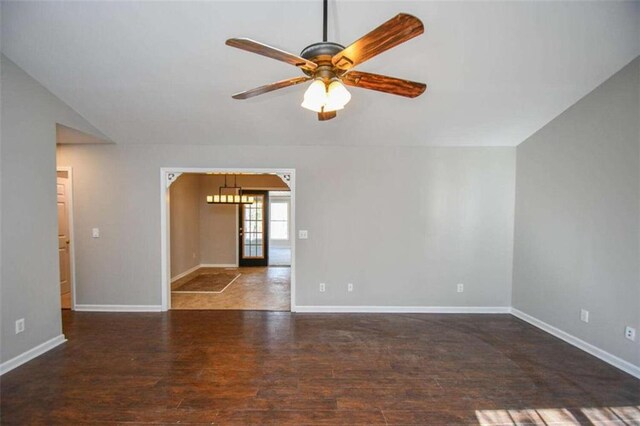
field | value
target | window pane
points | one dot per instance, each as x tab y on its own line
279	231
279	211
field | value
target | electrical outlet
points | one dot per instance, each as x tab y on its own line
322	287
20	325
584	315
350	287
303	234
460	288
95	232
193	255
630	333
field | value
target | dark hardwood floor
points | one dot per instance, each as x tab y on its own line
233	367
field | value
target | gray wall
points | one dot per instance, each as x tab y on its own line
405	225
30	284
577	218
184	196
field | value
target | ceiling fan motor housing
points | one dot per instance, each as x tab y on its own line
321	53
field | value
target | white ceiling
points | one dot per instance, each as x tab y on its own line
159	72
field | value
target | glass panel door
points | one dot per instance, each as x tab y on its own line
253	231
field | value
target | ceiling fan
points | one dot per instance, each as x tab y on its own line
330	65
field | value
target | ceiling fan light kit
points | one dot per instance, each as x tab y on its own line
330	65
321	97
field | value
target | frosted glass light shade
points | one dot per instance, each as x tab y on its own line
315	98
337	96
230	199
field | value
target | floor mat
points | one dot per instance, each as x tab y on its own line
211	282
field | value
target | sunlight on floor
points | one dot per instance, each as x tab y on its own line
629	415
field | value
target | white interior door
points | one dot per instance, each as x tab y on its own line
64	240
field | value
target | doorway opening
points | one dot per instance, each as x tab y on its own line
64	194
221	248
280	232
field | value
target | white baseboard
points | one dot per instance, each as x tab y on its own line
31	354
605	356
218	265
185	273
118	308
406	309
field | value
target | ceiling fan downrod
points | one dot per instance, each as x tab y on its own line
324	20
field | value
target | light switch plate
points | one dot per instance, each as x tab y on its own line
95	233
303	234
20	325
584	315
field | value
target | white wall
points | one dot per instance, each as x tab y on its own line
30	284
405	225
577	218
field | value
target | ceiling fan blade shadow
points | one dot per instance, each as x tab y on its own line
383	83
271	52
270	87
397	30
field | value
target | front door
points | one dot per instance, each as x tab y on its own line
64	239
254	237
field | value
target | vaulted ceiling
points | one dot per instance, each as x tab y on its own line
159	72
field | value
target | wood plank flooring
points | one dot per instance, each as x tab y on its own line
234	367
257	288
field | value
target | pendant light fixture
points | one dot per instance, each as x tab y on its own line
237	197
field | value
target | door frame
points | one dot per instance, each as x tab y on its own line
72	251
169	174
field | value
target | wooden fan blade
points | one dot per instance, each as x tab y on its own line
270	87
271	52
382	83
396	30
